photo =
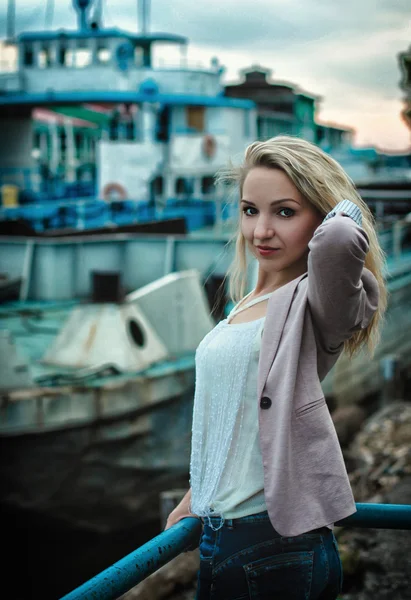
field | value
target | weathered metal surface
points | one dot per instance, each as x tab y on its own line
91	447
102	335
60	268
103	462
177	309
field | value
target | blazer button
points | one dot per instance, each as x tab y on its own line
265	402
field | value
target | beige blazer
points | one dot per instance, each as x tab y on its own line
305	480
306	484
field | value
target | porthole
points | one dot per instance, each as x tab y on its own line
136	333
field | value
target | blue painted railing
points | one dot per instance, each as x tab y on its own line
139	564
185	535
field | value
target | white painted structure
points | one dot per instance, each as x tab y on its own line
177	308
98	335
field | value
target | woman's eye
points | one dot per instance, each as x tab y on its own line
246	208
287	212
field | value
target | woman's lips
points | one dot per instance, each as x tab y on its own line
267	252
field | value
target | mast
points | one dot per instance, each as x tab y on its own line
97	17
82	7
144	15
11	20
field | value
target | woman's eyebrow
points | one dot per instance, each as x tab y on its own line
273	202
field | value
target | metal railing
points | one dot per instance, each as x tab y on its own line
185	535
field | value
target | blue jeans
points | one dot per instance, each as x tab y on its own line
248	560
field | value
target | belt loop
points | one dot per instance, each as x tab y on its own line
230	523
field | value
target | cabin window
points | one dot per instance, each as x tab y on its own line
157	185
195	117
78	143
83	57
28	55
63	141
114	126
129	129
44	58
207	184
180	185
70	58
103	54
163	125
138	57
62	55
184	186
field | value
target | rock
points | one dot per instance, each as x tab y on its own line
170	581
377	562
347	421
381	452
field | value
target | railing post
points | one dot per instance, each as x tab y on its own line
392	381
379	210
397	233
168	501
27	270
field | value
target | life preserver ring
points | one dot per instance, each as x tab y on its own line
209	146
115	188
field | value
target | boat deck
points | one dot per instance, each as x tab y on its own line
33	326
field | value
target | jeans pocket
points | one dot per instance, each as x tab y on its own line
286	575
339	565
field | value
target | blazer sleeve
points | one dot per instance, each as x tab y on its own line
342	293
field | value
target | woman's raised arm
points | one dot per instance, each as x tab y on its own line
342	293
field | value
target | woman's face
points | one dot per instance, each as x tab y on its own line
275	214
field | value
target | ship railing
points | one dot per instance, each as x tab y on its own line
395	236
162	64
129	571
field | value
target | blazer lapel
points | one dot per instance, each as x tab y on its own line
277	310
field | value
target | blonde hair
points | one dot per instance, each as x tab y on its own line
324	183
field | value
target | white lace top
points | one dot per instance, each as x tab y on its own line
226	471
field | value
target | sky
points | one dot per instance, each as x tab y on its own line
344	52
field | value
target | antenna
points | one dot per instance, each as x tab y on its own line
97	16
82	7
144	15
11	20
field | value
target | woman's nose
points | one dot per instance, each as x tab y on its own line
264	229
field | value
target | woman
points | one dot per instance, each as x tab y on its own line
267	474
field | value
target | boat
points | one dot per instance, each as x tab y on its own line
108	133
97	387
97	400
105	135
90	437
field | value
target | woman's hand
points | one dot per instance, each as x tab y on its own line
181	511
